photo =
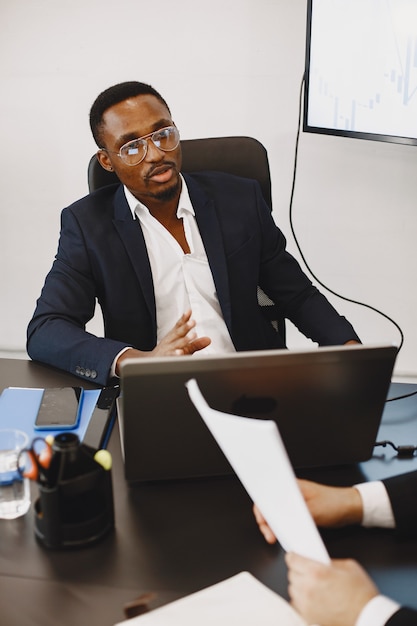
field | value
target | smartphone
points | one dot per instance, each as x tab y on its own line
60	408
101	422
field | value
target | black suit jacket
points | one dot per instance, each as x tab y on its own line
403	617
102	257
402	491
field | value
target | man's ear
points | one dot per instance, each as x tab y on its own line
103	159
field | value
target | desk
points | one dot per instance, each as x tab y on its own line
176	538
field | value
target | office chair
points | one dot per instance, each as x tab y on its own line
242	156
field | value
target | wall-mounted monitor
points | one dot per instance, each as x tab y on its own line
361	69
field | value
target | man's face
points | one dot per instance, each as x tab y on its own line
156	178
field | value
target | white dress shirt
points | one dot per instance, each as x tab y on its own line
377	510
181	281
377	612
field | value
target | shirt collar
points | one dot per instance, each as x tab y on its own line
184	202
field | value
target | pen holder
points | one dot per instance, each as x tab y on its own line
75	504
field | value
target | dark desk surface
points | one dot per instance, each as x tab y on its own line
176	538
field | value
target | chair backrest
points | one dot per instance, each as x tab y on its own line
242	156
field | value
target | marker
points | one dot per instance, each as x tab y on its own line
103	458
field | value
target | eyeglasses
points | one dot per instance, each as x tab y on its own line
133	152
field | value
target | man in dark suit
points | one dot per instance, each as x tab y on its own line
174	261
342	594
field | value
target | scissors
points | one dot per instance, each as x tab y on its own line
37	461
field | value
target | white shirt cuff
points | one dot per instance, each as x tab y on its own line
377	510
377	611
113	367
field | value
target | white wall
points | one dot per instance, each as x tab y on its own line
225	67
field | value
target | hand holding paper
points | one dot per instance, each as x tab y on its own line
255	450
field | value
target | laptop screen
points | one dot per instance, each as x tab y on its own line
327	403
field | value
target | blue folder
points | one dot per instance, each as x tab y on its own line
19	406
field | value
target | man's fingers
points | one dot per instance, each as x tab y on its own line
182	340
198	344
263	526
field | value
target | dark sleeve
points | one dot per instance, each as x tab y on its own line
402	492
255	255
56	334
284	281
403	617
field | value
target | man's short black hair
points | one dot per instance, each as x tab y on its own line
114	95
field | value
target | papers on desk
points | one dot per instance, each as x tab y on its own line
241	600
255	450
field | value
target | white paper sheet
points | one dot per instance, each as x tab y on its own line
241	600
255	450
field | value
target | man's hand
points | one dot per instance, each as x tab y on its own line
329	595
329	507
263	526
179	341
332	507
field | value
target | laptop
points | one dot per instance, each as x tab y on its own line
327	403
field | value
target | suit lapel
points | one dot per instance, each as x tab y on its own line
208	224
132	238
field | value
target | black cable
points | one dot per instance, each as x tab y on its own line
405	452
368	306
406	395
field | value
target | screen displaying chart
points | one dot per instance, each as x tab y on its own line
361	68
